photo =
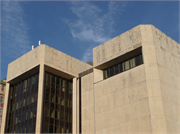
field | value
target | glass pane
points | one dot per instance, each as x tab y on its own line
23	116
46	110
32	98
27	115
127	65
47	96
61	130
57	99
45	128
138	60
19	118
50	128
61	115
53	98
47	77
31	113
56	129
116	69
52	113
58	81
132	62
105	74
62	101
24	102
56	114
111	71
121	68
53	79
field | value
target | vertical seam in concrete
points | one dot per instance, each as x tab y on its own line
159	79
146	79
94	105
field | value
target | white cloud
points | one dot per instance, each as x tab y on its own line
93	24
87	55
14	29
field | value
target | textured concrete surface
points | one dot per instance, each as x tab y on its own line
145	99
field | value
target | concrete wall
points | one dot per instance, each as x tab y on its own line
88	104
52	58
145	99
61	61
121	103
117	46
168	65
24	63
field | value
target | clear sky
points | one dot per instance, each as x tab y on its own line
75	27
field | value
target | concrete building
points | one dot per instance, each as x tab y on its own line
2	88
132	87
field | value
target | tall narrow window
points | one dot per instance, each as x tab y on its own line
1	100
127	65
111	71
105	74
132	62
3	88
116	69
138	60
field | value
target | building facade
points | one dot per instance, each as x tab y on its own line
2	90
132	87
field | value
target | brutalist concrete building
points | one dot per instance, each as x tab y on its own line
132	87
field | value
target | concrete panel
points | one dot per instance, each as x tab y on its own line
142	90
158	123
87	82
144	109
117	46
64	62
25	63
156	105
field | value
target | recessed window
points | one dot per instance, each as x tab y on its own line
1	99
123	66
3	87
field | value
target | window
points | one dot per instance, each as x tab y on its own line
57	106
123	66
132	62
0	111
3	87
127	65
1	99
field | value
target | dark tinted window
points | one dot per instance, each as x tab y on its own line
123	66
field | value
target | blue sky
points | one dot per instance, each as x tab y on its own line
76	27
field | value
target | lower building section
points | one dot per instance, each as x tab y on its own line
22	106
57	108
